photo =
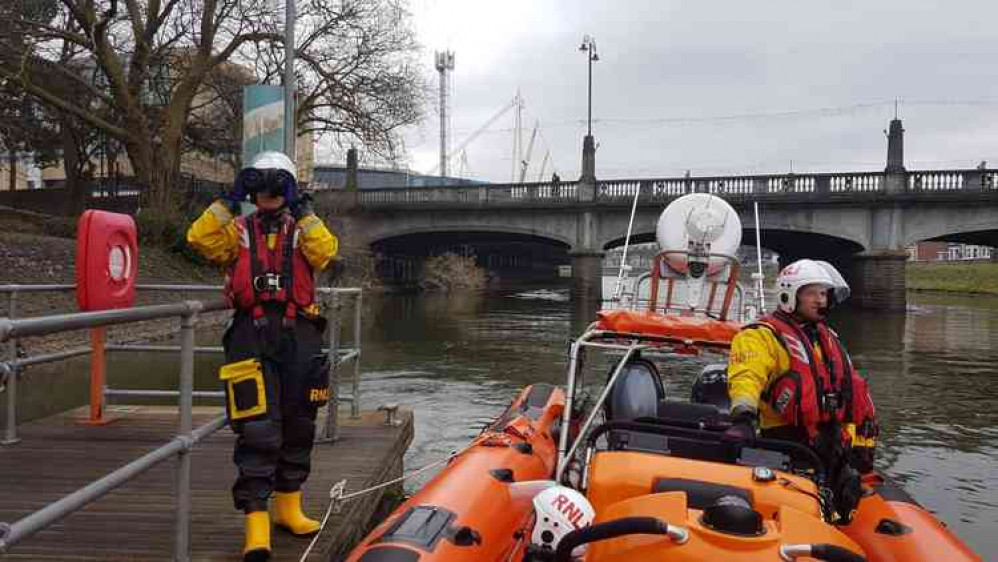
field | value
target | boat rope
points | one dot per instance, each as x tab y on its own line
337	496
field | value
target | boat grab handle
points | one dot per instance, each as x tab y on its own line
617	528
820	551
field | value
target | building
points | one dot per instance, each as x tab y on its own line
948	251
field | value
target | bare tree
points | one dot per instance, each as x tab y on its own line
145	64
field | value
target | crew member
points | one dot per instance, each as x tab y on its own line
789	373
275	374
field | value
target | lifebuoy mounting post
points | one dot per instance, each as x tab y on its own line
106	266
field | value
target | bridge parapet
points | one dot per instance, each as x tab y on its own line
812	188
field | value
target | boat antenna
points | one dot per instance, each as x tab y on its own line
619	286
758	257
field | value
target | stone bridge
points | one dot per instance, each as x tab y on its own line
860	221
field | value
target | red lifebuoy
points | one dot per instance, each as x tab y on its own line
107	255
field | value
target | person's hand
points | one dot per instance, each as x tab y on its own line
742	428
301	206
240	188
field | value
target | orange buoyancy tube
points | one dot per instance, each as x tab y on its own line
890	526
471	511
696	328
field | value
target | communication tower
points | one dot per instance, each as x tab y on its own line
445	63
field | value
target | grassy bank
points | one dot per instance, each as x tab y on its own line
981	277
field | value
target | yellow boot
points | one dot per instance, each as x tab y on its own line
288	514
257	548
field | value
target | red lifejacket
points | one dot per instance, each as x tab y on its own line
261	275
815	392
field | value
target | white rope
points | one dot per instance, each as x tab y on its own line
337	497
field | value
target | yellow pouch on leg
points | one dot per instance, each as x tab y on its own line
245	391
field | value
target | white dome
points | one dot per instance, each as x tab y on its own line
699	218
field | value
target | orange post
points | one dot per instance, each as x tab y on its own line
98	337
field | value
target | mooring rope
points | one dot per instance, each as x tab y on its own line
337	497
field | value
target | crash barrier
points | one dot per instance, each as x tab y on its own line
13	328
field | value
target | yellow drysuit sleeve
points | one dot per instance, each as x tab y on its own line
316	241
214	235
757	358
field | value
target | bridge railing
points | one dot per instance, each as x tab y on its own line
654	190
531	193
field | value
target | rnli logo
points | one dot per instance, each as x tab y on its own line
783	400
318	395
568	508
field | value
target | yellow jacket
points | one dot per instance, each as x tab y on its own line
757	359
214	236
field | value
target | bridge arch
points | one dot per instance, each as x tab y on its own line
424	231
795	243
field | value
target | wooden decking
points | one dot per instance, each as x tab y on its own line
56	457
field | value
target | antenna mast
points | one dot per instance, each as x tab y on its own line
445	63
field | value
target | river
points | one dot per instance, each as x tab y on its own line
457	360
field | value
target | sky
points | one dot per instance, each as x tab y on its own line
713	87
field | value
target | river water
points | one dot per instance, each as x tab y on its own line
457	361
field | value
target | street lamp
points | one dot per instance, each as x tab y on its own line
589	47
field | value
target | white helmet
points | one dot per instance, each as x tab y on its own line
809	272
273	160
559	510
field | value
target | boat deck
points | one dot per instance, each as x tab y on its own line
56	456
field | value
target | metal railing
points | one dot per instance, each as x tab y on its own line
662	190
13	328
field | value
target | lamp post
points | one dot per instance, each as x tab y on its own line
589	47
289	79
588	144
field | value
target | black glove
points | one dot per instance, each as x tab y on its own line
301	206
742	428
848	489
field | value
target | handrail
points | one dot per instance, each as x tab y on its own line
12	328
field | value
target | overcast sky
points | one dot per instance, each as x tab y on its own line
715	87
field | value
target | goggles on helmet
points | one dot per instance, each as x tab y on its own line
273	182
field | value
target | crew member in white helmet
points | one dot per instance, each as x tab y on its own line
275	375
791	376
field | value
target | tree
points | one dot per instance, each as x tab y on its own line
137	69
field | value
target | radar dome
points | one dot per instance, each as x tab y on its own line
698	223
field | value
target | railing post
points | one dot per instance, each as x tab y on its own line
98	373
331	428
357	319
182	548
10	432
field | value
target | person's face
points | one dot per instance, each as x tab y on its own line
811	302
267	202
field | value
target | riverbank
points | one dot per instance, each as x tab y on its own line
978	277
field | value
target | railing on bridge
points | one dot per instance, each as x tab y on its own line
834	186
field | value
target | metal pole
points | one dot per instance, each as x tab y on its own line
357	317
589	120
289	79
10	431
182	544
98	372
332	426
566	415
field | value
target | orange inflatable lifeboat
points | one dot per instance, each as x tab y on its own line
474	509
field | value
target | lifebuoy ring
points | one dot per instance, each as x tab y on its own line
107	255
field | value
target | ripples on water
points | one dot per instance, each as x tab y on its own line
459	360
